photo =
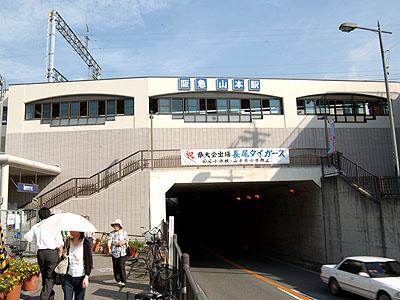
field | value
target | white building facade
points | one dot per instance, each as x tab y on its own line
79	131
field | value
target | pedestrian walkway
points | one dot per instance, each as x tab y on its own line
102	284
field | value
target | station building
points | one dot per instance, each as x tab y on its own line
114	149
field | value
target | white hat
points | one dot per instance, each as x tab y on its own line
117	221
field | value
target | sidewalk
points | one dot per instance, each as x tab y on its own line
102	284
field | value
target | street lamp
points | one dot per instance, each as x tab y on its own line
348	27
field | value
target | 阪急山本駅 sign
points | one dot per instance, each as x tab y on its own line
235	156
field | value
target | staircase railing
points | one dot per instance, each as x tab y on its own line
86	186
366	182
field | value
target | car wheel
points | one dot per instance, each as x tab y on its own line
334	287
383	296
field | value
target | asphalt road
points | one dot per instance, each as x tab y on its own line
247	276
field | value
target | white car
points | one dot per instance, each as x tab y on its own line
367	276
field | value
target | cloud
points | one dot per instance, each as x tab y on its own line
362	58
27	19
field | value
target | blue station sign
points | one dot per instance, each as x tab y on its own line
221	84
27	188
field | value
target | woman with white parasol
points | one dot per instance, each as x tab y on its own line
78	250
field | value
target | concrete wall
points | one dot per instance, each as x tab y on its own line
127	200
357	225
290	227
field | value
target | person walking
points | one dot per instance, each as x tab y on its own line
49	250
117	245
80	264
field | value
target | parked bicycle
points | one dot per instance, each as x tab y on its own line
163	277
17	248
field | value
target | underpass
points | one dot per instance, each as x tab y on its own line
247	240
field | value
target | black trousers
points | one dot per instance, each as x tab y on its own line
119	268
47	261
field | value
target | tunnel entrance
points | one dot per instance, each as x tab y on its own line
283	218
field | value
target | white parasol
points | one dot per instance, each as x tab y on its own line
67	222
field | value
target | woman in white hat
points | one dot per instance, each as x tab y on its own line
117	245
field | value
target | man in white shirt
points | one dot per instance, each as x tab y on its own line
49	249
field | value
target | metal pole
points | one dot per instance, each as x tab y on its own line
151	139
392	126
51	46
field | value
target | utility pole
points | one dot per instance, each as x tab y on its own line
56	22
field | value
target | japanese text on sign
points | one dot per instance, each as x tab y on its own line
235	156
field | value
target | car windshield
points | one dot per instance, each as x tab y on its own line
383	269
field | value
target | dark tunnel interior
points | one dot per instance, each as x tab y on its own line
284	218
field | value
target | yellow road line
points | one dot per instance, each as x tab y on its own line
262	278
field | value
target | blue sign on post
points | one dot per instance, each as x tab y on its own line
27	188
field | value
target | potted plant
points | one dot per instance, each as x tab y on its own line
104	246
8	283
135	246
31	283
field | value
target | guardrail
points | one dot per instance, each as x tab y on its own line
368	183
86	186
189	289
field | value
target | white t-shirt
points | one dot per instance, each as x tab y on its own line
45	238
75	256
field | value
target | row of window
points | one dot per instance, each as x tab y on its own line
344	111
344	108
78	109
196	107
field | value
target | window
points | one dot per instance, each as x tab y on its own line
235	105
164	105
4	117
120	107
352	266
83	109
222	109
93	108
276	106
46	111
202	106
300	107
222	105
128	107
110	107
383	269
74	109
38	111
55	110
29	111
310	107
245	106
211	106
255	105
177	106
101	108
192	105
64	110
153	105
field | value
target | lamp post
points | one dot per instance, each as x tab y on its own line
151	116
347	27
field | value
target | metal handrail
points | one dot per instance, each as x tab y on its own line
139	160
366	182
189	289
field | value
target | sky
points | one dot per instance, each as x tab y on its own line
218	38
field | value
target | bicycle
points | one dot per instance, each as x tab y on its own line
17	248
163	278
